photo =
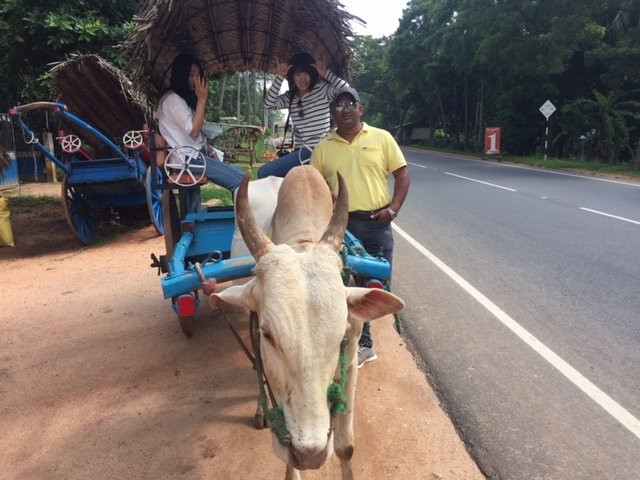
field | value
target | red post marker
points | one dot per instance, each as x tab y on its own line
492	138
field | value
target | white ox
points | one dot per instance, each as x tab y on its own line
304	312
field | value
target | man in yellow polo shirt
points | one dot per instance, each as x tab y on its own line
364	156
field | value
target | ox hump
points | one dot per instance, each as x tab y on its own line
304	207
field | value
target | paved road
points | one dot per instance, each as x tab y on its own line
523	293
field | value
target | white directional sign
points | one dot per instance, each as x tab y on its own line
547	109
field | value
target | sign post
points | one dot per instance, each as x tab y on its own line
547	110
492	139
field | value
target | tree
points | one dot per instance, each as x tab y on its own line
36	33
607	115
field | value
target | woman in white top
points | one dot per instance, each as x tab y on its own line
181	117
311	89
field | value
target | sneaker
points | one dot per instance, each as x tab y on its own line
366	355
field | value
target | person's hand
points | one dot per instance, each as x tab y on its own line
321	65
209	286
282	68
383	217
202	89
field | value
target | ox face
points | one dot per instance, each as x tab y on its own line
302	309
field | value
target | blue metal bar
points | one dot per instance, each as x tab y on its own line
185	281
176	265
41	147
62	110
181	280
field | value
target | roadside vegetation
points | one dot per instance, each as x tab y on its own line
451	70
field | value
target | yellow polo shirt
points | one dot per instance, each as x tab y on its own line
364	164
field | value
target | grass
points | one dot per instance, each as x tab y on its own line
575	164
212	192
34	204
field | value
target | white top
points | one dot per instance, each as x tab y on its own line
175	119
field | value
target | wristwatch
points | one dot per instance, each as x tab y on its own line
392	212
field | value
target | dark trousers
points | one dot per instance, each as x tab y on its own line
376	239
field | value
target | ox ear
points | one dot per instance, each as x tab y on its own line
367	304
240	295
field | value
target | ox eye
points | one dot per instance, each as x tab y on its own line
267	336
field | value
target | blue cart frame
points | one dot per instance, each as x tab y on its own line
121	182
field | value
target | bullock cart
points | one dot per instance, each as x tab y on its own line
97	181
199	244
302	273
228	36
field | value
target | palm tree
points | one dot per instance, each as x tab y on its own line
609	116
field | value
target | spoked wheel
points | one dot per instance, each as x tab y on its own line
170	222
154	200
82	220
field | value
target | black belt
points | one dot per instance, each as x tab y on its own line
364	214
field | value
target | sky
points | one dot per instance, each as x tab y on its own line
382	17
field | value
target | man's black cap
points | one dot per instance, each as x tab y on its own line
350	90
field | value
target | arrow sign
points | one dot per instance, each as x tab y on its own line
547	109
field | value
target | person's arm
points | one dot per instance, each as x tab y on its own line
333	81
202	92
272	100
401	181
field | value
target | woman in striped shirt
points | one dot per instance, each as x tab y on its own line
311	89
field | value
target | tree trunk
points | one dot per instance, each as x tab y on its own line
221	99
439	97
248	80
238	97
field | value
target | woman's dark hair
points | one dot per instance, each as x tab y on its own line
180	70
301	62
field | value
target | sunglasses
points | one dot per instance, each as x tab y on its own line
353	106
300	110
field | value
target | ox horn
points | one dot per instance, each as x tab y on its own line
334	234
257	241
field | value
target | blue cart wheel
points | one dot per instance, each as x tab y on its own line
154	200
82	220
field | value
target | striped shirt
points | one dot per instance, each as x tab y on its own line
310	116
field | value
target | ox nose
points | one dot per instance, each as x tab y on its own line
308	458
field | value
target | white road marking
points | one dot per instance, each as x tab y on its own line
524	167
416	165
609	215
479	181
612	407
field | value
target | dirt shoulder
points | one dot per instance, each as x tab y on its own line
98	382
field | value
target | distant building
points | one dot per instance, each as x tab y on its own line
411	132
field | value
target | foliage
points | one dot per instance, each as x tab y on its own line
607	116
463	65
36	33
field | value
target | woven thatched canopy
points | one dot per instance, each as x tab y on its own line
101	95
236	35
